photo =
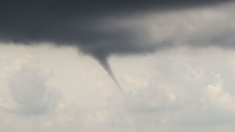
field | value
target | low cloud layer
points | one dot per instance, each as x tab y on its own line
175	90
84	24
29	93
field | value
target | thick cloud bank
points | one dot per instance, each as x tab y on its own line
83	23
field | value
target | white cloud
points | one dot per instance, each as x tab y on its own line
28	92
183	88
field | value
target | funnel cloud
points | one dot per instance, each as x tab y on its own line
105	64
88	25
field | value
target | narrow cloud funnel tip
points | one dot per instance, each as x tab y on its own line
105	64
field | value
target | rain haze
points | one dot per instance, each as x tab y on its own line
164	65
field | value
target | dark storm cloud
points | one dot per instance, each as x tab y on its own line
80	23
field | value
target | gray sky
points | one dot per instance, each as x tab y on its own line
175	65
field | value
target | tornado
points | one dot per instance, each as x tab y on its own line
100	29
103	61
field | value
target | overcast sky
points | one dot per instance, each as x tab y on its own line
173	60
